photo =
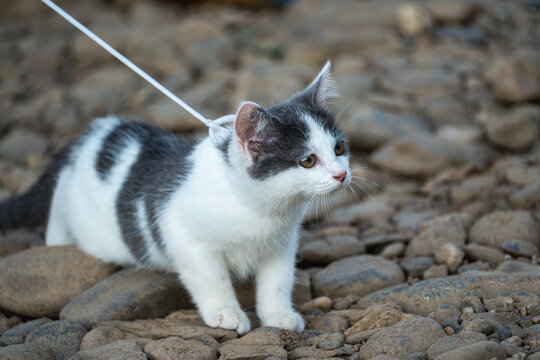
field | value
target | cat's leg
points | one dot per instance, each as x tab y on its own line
275	280
207	278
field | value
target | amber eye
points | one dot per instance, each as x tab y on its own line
338	149
308	161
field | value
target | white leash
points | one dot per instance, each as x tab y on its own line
133	67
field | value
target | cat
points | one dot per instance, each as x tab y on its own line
223	208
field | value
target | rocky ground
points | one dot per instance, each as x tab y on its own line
441	103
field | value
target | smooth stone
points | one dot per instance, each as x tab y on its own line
518	247
22	144
374	317
127	295
393	251
18	334
406	337
18	240
437	233
63	337
450	255
527	197
312	352
178	348
452	11
488	254
495	228
413	19
416	266
26	352
117	350
102	335
39	281
323	303
329	323
357	275
323	249
445	312
258	344
482	350
516	130
435	271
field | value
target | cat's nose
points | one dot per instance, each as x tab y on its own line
341	176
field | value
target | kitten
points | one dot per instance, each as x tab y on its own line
228	206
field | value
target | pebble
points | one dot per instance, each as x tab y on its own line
324	303
495	228
452	11
416	266
437	233
177	348
403	338
482	350
374	317
322	250
413	19
435	271
445	312
259	344
329	323
527	197
393	251
62	337
18	334
26	352
311	352
116	350
55	274
102	335
450	255
128	294
488	254
518	247
479	326
22	144
449	343
358	275
516	130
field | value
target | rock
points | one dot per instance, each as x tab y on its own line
514	266
370	127
18	334
435	271
478	326
374	208
422	82
323	303
518	247
445	312
416	266
358	275
18	240
162	328
423	155
437	233
475	266
127	295
519	174
452	11
166	115
117	350
102	335
62	337
516	130
374	317
26	352
40	281
393	251
516	78
484	253
258	344
177	348
329	341
403	338
528	197
329	323
323	248
483	350
449	343
311	352
472	188
22	145
495	228
450	255
413	19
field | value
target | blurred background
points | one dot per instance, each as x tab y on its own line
440	98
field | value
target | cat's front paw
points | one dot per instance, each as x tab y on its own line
228	318
285	320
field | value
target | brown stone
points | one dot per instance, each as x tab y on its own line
177	348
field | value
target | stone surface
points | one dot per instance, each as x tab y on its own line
484	253
516	130
323	249
259	344
436	233
416	266
452	11
358	275
126	295
18	334
26	352
178	348
495	228
40	281
62	337
374	317
23	144
450	255
413	19
483	350
518	247
323	303
403	338
102	335
516	78
118	350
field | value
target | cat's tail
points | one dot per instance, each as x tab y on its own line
31	209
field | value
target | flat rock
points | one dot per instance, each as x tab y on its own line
518	247
102	335
26	352
357	275
38	282
18	334
483	350
416	266
516	78
312	352
22	144
406	337
162	328
436	233
323	249
329	323
527	197
127	295
118	350
516	130
488	254
62	337
449	343
370	127
177	348
374	317
495	228
258	344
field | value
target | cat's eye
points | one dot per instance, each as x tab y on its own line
308	161
339	148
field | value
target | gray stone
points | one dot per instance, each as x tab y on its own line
406	337
518	247
258	344
413	19
102	335
416	266
62	337
18	334
39	281
358	275
516	130
178	348
488	254
483	350
26	352
435	271
126	295
118	350
329	323
437	233
445	312
450	255
527	197
452	11
323	248
22	144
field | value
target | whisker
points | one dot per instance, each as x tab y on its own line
367	180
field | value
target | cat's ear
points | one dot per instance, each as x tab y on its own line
251	119
323	89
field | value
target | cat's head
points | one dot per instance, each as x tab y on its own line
295	147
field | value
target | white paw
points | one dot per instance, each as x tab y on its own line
228	318
286	320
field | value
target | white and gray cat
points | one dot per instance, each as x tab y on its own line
211	210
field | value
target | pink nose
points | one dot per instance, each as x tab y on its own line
341	176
